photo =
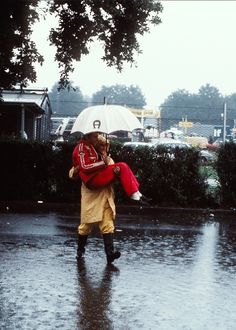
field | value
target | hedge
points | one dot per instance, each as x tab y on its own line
169	179
226	170
39	171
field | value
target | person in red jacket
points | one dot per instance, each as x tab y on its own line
95	172
97	209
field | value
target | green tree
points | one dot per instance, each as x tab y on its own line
176	105
120	94
204	106
18	52
116	24
210	103
69	101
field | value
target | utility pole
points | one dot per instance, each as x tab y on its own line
22	125
57	102
224	122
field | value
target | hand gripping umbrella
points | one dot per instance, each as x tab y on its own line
105	119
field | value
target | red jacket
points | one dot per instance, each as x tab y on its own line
86	157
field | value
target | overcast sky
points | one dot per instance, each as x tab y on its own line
195	44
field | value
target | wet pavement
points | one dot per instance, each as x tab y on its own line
176	272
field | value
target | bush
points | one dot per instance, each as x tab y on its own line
63	188
169	179
35	171
38	171
226	169
25	169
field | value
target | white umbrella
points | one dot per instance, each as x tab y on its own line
105	119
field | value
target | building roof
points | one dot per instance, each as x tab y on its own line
202	129
33	98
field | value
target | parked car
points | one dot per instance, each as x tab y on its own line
171	144
137	144
219	142
206	156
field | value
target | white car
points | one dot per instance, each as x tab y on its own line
171	143
134	144
207	156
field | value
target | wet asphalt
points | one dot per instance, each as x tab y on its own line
176	272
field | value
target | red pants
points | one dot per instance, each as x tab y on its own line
106	176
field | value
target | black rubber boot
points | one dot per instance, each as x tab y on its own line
82	240
109	248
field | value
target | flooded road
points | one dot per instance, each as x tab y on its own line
174	273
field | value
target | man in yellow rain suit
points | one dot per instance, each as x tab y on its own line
97	208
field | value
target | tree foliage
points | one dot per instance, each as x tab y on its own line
206	105
116	24
69	101
120	94
226	170
18	52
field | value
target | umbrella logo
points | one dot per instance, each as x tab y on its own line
96	124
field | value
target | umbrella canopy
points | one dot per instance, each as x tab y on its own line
105	119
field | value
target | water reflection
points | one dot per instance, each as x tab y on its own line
227	246
205	258
204	276
176	274
170	245
95	297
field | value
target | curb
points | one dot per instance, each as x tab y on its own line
40	206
